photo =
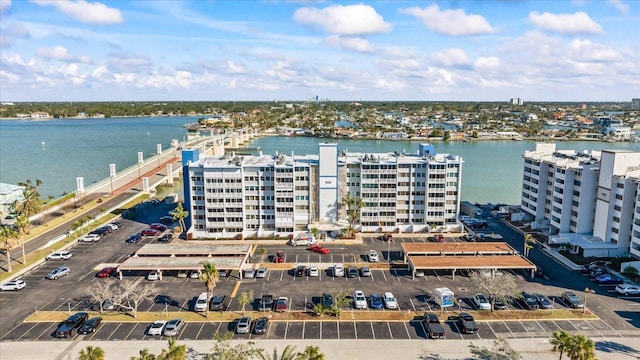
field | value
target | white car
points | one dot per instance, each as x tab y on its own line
481	301
338	270
628	289
157	327
13	285
57	272
389	301
113	226
313	271
90	238
153	276
249	273
173	327
201	303
373	256
60	255
359	300
261	273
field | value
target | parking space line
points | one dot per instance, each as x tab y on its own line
286	328
406	329
373	333
235	289
28	331
113	332
130	331
355	330
511	332
321	330
281	274
525	328
594	328
543	329
491	328
610	327
303	327
412	304
384	276
458	330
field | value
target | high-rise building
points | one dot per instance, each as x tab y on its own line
587	199
279	195
516	101
635	104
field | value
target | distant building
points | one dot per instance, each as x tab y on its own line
8	194
39	115
635	104
516	101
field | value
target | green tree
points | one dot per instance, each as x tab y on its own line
631	271
529	240
22	226
31	204
91	353
179	214
310	353
289	353
500	285
581	348
210	276
263	253
353	206
224	350
246	297
561	341
144	355
174	352
8	240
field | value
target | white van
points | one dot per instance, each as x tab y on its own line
201	303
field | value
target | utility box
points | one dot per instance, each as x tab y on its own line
443	296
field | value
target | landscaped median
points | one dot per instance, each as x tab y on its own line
346	315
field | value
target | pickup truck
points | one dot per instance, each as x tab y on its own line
74	322
266	303
433	326
466	323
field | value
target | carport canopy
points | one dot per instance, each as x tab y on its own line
142	263
194	249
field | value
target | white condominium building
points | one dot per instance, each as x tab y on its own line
585	199
279	195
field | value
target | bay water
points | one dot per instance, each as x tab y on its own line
57	151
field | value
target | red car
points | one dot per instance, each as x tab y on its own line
106	272
279	257
439	238
150	232
159	227
319	249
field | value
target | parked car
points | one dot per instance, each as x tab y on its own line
173	327
157	327
266	303
90	325
166	238
597	271
375	301
166	220
313	271
327	300
467	324
499	304
113	226
608	279
628	289
439	238
530	301
108	305
153	276
243	325
282	304
249	273
59	255
389	300
90	238
261	273
279	257
194	274
106	272
13	285
201	303
158	226
338	270
352	272
386	237
319	249
365	271
481	301
435	330
543	301
260	326
101	231
72	323
300	270
572	299
373	256
134	238
58	272
218	303
182	274
150	232
359	300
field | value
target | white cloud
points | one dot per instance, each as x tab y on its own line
586	51
484	64
451	57
618	5
99	72
390	85
352	20
5	5
450	22
350	43
13	32
92	13
128	63
60	53
578	23
234	69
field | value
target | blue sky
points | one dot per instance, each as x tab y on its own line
210	50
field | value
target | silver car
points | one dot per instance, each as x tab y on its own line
243	325
173	327
58	272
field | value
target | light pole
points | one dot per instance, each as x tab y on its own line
586	291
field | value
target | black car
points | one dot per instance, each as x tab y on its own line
90	325
100	231
327	300
217	303
530	302
260	326
167	220
352	272
72	323
166	238
300	270
134	238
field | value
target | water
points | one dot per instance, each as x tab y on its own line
59	150
85	147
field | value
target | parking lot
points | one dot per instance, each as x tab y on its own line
71	293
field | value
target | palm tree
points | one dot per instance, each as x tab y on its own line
561	341
289	353
91	353
174	352
179	214
8	237
262	252
31	204
581	348
310	353
353	206
144	355
210	276
528	240
22	225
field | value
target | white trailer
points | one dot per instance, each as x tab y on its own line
469	209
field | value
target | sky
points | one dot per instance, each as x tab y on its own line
245	50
